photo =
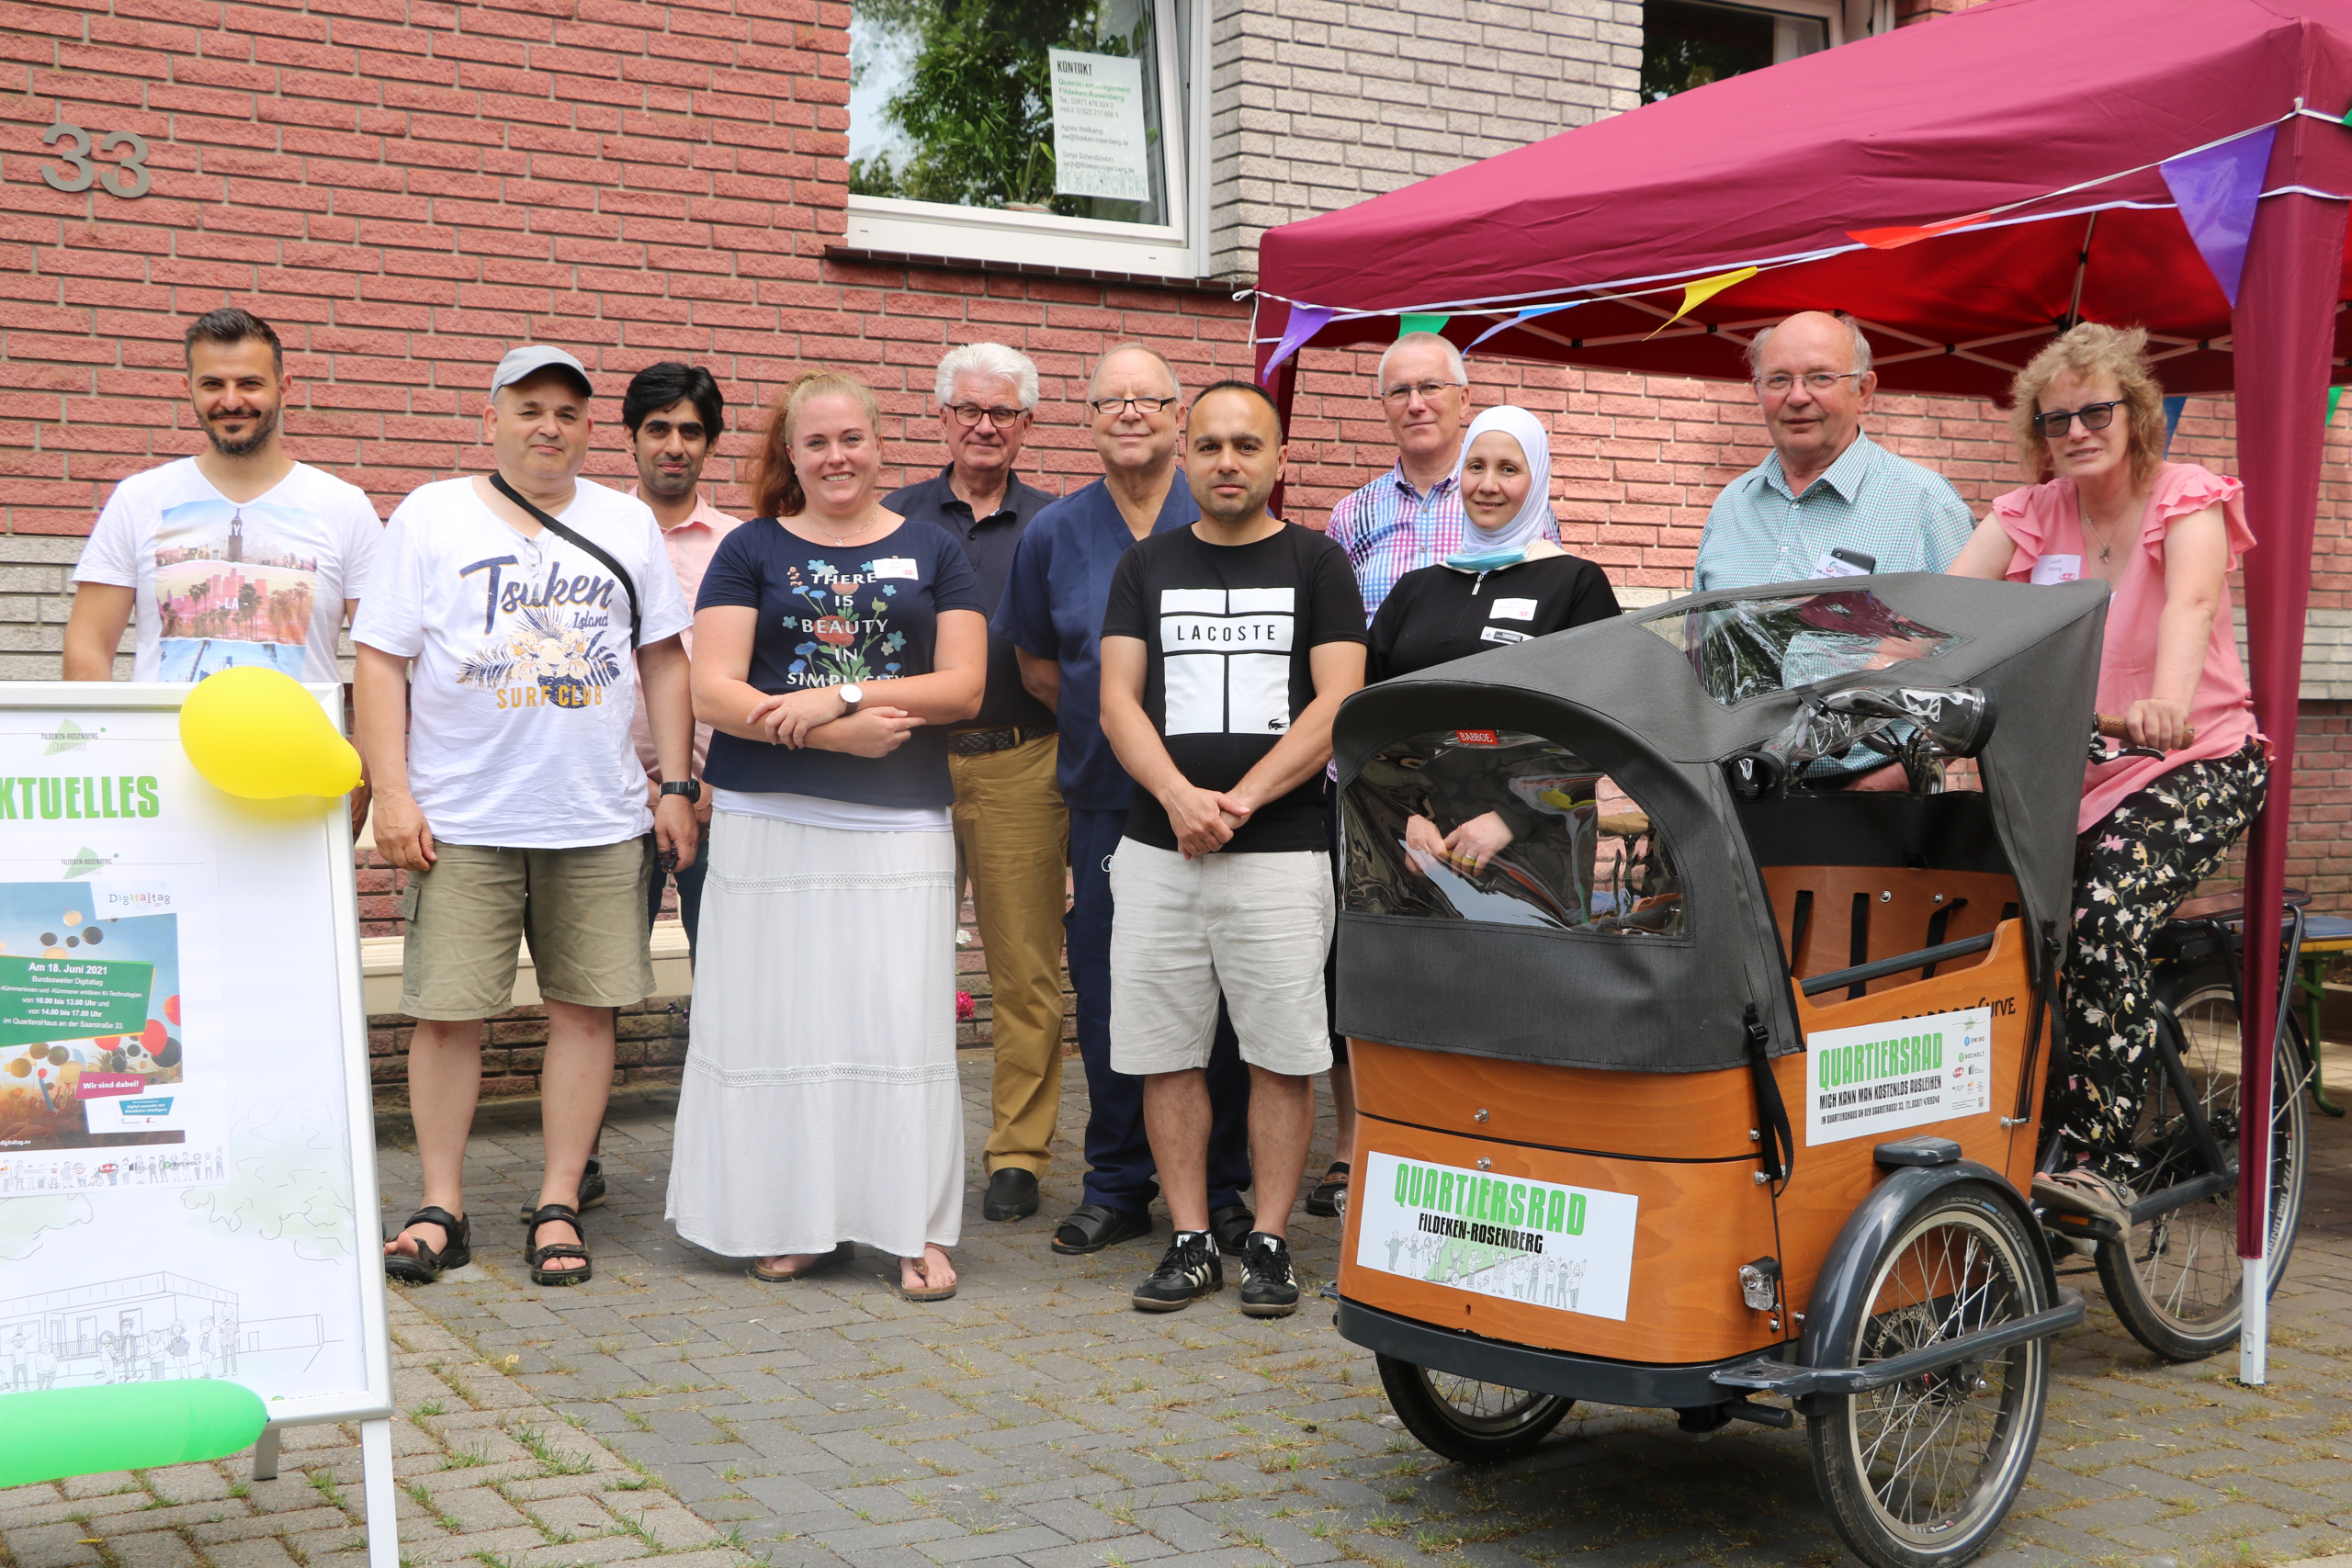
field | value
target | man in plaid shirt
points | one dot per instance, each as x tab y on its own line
1408	518
1411	515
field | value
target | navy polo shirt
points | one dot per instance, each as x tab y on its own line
1052	608
988	543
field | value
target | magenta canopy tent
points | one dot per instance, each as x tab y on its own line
1964	189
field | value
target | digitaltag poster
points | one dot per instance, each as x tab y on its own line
177	1149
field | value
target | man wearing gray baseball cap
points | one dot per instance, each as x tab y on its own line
507	785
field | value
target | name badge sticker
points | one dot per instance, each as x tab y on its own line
895	565
1502	634
1513	610
1830	566
2048	569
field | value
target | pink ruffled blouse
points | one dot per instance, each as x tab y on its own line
2045	522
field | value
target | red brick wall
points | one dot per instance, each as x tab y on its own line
404	188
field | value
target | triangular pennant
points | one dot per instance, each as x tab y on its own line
1421	324
2335	395
2172	419
2217	190
1520	320
1304	321
1903	234
1698	293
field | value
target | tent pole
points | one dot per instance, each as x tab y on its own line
1284	389
2284	327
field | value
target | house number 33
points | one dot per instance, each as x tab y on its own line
126	177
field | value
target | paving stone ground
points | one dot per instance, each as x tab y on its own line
673	1407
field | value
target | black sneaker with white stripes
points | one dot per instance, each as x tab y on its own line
1189	1270
1269	1289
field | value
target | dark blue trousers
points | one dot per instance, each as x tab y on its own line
1120	1173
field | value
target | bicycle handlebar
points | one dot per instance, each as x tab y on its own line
2115	728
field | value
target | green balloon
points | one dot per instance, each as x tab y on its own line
52	1433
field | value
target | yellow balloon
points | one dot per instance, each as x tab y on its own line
256	733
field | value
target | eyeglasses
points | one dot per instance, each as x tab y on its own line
1426	390
969	414
1779	385
1114	406
2095	416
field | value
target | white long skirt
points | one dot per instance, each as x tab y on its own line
820	1102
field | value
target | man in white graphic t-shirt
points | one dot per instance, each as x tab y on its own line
495	645
239	554
1226	649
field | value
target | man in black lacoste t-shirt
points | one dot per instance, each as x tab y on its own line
1226	649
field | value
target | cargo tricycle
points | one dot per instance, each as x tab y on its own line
1718	1089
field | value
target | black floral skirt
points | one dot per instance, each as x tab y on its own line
2133	867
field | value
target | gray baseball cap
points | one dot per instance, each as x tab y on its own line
533	357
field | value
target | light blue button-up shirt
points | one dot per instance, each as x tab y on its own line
1870	499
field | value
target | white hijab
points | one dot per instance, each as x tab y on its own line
1513	537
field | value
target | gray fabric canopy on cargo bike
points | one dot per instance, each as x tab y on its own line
1626	925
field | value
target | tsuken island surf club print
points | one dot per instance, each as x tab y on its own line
550	638
234	585
844	626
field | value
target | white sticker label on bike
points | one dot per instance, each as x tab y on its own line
1567	1247
1878	1077
2048	569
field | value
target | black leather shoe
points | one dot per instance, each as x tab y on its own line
1090	1227
1012	1195
591	1189
1231	1227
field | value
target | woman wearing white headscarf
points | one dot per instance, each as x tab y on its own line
1506	584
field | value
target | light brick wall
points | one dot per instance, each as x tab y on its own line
1319	104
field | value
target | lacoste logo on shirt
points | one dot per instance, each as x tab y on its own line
1228	658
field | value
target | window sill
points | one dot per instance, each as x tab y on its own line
965	235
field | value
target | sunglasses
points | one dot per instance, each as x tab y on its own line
2095	416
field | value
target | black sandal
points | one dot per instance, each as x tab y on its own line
428	1265
1329	1192
536	1256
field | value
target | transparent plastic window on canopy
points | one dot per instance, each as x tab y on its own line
1505	827
1747	647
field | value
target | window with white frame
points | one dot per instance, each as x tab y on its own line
1688	43
1061	133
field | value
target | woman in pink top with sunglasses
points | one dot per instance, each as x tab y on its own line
2091	416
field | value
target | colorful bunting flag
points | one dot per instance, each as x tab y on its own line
1421	324
2216	190
1520	320
1903	234
2335	395
1304	321
1698	293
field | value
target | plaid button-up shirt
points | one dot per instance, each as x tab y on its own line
1388	528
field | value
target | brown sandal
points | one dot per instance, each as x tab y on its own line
824	1260
1328	1194
428	1265
536	1256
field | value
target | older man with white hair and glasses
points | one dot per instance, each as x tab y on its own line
1408	518
1012	834
1828	501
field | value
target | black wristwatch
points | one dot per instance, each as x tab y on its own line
690	788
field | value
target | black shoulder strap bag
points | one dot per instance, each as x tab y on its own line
628	585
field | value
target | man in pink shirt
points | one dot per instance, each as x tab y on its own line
674	414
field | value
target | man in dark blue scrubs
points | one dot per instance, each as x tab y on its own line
1052	614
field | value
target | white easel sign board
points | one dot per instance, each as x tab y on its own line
188	1156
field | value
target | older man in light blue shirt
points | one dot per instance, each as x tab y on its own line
1829	502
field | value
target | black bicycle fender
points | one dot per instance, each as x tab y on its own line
1838	1300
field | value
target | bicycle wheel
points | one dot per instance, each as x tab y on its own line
1464	1419
1918	1474
2178	1287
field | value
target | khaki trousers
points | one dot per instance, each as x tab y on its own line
1013	842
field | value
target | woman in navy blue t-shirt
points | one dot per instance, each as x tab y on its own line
834	641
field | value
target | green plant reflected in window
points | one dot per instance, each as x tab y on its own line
952	101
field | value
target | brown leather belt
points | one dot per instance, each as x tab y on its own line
982	742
